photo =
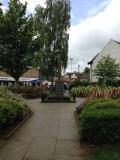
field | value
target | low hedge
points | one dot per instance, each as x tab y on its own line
100	121
79	83
24	90
11	111
27	92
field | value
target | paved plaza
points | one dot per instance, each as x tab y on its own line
50	134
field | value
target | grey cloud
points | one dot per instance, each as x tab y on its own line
91	35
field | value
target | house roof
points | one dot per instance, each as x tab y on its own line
92	60
116	41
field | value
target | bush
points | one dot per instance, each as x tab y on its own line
27	92
105	152
79	83
11	111
113	83
81	91
24	90
7	94
100	121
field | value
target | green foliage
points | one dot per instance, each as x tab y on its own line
100	121
51	25
7	94
107	70
27	92
113	83
105	152
78	83
12	108
24	90
16	39
91	92
81	91
86	70
11	111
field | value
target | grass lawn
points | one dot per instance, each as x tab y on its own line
110	152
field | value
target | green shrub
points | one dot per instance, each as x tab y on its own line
24	90
27	92
100	121
79	83
113	83
81	91
11	111
105	152
7	94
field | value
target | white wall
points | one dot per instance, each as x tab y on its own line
112	49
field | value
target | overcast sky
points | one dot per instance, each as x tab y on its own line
93	24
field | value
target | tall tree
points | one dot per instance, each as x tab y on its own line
54	22
16	37
107	70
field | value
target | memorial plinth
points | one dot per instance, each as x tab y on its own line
59	96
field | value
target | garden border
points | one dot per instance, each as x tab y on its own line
4	140
77	121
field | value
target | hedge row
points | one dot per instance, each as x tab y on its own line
27	92
24	90
12	109
100	121
78	83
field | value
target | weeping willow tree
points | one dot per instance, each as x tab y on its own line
51	26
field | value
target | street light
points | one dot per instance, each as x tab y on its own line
71	59
78	68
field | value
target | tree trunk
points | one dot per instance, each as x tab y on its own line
59	67
39	72
16	81
52	79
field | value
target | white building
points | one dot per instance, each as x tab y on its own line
112	49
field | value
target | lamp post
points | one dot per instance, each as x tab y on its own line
71	59
78	68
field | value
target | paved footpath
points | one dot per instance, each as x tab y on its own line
50	134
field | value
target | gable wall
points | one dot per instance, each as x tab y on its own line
112	49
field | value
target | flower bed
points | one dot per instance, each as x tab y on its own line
91	92
81	91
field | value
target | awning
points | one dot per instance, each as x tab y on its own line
21	79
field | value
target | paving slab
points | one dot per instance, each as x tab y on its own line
14	150
42	148
68	133
67	119
50	134
68	148
64	157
